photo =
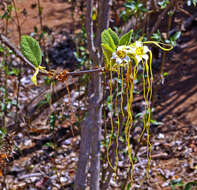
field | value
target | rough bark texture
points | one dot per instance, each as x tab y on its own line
91	129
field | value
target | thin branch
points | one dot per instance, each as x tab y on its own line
103	21
90	32
30	175
106	14
18	53
17	20
100	69
5	41
158	22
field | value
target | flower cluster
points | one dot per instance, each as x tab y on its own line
124	54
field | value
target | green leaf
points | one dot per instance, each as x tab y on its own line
107	51
165	74
176	183
157	36
126	38
3	132
31	50
163	3
190	185
1	49
154	122
114	36
107	39
176	36
189	2
128	186
50	144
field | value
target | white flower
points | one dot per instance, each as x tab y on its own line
123	55
121	48
120	56
126	59
138	44
141	51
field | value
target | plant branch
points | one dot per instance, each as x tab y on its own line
103	21
17	19
5	41
18	53
90	32
158	22
96	101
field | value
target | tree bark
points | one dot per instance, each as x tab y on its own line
91	129
96	134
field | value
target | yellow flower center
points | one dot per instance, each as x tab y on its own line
140	51
121	54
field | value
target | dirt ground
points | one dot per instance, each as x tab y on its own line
56	15
176	106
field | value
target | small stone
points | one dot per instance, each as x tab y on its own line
161	136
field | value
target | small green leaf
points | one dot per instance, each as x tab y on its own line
31	50
1	49
126	38
165	74
154	122
163	3
114	36
107	39
50	144
3	132
157	36
176	36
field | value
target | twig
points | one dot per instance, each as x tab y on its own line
158	22
17	20
5	41
19	75
90	32
100	69
18	53
40	15
30	175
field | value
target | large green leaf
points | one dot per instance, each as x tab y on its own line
190	185
114	36
31	50
107	39
126	38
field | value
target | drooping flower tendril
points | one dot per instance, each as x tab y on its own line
125	61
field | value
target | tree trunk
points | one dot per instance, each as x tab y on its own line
91	129
96	133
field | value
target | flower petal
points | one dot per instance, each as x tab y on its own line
138	57
145	56
118	61
138	44
34	78
146	49
126	59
